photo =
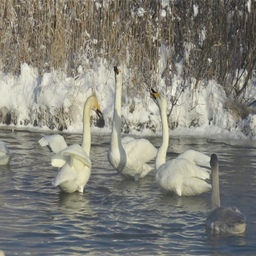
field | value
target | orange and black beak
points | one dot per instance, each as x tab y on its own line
154	95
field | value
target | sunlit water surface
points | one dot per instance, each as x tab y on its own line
116	216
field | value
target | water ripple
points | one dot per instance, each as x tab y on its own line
116	216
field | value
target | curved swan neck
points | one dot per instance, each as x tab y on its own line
86	142
161	155
116	129
215	197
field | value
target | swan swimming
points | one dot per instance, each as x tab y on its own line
73	160
222	220
183	175
5	155
129	156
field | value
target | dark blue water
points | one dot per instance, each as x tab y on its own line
116	216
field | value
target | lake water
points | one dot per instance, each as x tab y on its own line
115	216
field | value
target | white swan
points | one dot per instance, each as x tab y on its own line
222	220
129	156
5	155
73	160
183	175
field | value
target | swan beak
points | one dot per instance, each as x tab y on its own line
154	95
100	121
117	70
99	113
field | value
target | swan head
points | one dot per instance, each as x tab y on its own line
117	70
96	107
118	74
214	161
154	94
159	99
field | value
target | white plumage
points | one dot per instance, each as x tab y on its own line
70	153
5	155
74	160
184	175
129	156
55	142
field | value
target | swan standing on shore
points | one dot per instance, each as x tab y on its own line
183	175
5	155
222	220
128	156
73	160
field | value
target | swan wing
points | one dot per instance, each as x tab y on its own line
183	177
188	169
127	139
196	157
194	186
56	142
73	151
140	149
59	160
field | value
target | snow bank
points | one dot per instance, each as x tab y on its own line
55	101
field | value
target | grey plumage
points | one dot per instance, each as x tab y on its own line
222	220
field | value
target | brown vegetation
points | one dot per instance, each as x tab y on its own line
65	34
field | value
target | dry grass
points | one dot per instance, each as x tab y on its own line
62	34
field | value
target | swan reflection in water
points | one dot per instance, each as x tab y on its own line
74	203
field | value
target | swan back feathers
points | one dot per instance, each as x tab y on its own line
226	220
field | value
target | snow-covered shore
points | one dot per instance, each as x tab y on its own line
55	101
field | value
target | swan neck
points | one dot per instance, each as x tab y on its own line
86	142
161	155
116	129
215	187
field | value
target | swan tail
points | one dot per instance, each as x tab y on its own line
65	174
146	170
